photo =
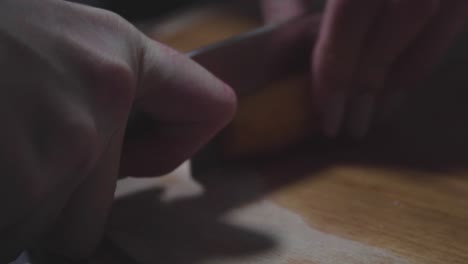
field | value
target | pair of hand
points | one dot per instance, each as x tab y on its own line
370	52
71	75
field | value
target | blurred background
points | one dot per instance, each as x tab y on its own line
140	10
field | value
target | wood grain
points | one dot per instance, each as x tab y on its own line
400	196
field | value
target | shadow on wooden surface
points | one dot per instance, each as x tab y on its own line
189	230
429	136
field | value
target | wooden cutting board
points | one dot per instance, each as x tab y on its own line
400	196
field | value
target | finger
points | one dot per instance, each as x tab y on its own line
50	168
82	223
187	104
344	28
430	47
279	10
399	25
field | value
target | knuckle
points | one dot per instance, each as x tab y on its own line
105	56
114	19
115	24
114	83
108	18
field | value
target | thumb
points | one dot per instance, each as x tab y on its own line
186	106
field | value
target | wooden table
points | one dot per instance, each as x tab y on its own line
400	196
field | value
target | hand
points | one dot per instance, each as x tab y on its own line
369	52
71	74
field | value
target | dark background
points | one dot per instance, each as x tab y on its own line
137	10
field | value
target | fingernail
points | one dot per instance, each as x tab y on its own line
333	114
392	104
362	110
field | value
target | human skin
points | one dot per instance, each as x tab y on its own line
71	75
369	53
